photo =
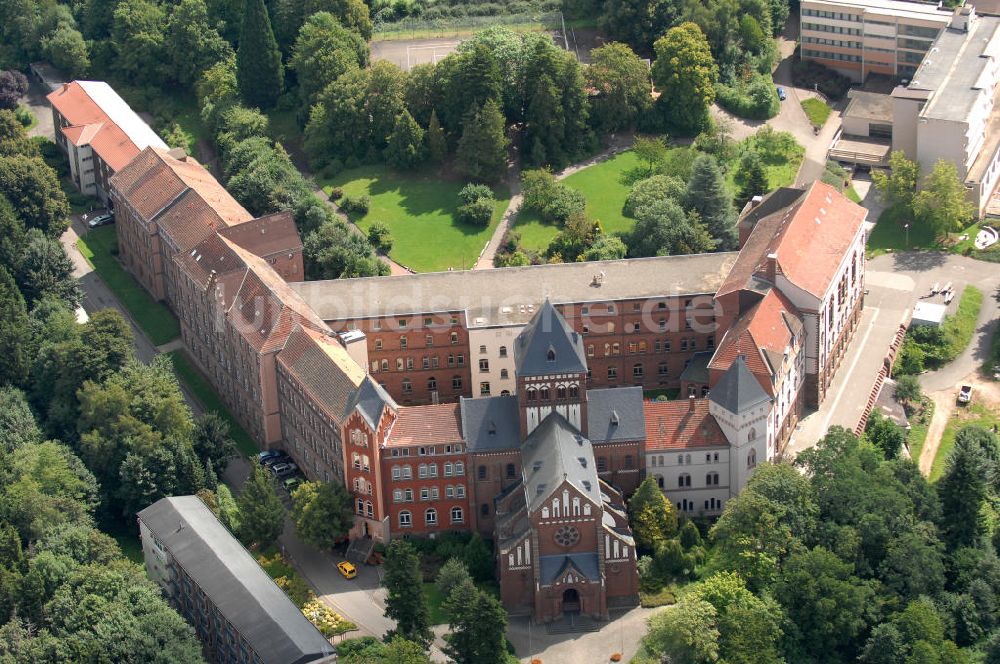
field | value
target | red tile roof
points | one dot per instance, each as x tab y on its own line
265	236
683	424
809	237
323	368
426	425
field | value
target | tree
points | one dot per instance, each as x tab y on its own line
753	176
325	50
662	229
653	151
685	74
482	150
262	516
13	331
885	434
907	390
478	623
437	145
405	147
898	185
452	574
638	22
963	490
17	423
605	248
13	85
137	34
258	60
651	515
708	195
323	512
66	49
914	564
405	601
46	271
653	190
332	251
368	650
211	439
688	633
941	204
827	605
478	558
14	139
192	44
623	87
33	189
380	236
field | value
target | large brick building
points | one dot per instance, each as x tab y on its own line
509	402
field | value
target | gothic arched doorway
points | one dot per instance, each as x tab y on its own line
570	600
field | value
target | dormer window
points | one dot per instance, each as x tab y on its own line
614	418
551	355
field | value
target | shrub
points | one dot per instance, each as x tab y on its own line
472	192
652	190
24	116
380	236
478	212
757	100
356	204
566	202
336	194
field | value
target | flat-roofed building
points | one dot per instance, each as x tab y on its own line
861	37
239	614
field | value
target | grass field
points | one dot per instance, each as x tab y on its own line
434	604
816	110
959	327
210	400
974	413
890	235
156	321
606	186
420	212
127	536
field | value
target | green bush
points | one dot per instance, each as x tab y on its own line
652	190
356	204
756	100
380	236
478	212
564	204
472	192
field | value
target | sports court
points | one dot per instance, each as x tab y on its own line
408	53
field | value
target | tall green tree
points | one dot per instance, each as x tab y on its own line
663	229
898	185
405	601
32	188
482	151
405	148
67	50
17	423
685	74
192	44
964	489
941	203
332	251
13	332
212	440
708	195
622	84
478	624
46	271
323	512
754	178
258	61
323	51
651	515
138	34
262	516
687	634
638	22
437	144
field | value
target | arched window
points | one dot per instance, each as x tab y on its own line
459	468
505	393
457	516
551	355
684	480
385	365
369	511
532	394
752	459
561	392
637	371
405	519
752	435
503	351
431	517
574	391
687	459
543	394
361	507
504	374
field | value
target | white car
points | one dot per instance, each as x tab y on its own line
965	394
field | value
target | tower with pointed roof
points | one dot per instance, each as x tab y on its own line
742	409
551	370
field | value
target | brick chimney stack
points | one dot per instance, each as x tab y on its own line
772	267
691	403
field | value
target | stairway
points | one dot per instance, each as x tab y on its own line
573	623
872	398
360	549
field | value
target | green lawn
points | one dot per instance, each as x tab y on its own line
606	186
974	413
420	211
959	327
919	424
99	248
127	536
852	195
536	235
209	399
434	604
890	235
817	111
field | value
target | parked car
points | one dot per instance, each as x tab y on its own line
101	220
965	394
268	454
347	569
281	457
291	484
282	470
781	93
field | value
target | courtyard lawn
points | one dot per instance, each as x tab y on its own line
974	413
816	110
420	212
606	185
959	327
209	399
536	235
99	247
889	234
435	602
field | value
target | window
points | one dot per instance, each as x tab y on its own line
712	479
484	509
399	364
710	341
369	510
407	471
432	470
456	383
435	362
484	365
503	351
378	344
482	349
407	386
422	470
432	384
659	481
401	323
752	459
561	392
543	394
637	371
449	491
616	349
629	463
662	369
425	362
429	340
397	495
461	360
405	519
532	394
574	391
684	480
550	356
425	493
484	389
590	350
428	321
481	472
612	373
586	329
459	468
431	517
456	515
511	471
602	464
611	308
448	467
385	365
397	473
361	507
460	491
635	327
454	338
504	373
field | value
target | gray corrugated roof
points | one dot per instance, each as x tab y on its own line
491	423
548	345
370	399
697	370
555	452
236	584
626	403
552	567
738	390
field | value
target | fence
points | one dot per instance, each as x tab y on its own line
415	28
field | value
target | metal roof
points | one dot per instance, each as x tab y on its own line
234	582
738	390
549	346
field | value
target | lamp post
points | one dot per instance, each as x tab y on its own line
906	227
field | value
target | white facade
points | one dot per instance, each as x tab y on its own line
750	435
81	166
492	357
688	478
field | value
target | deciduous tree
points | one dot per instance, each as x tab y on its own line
405	601
662	229
33	189
323	512
192	44
13	85
685	74
651	515
941	204
478	623
898	185
323	51
623	86
651	150
687	634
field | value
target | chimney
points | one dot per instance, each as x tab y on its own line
772	267
691	403
65	87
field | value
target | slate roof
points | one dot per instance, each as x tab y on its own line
371	400
810	237
681	424
491	424
626	404
555	452
234	582
697	370
426	425
553	567
323	368
548	345
738	390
